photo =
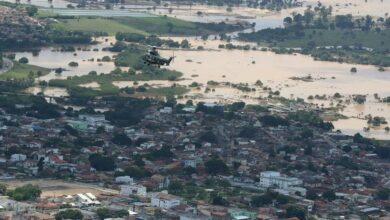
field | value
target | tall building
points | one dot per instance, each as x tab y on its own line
275	179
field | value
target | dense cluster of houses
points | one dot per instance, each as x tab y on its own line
17	27
275	159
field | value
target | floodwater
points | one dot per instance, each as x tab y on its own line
52	58
44	3
274	70
235	66
356	7
48	91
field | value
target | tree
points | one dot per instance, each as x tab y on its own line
282	199
262	200
25	192
358	138
295	211
219	200
3	189
73	214
31	10
307	133
237	106
387	23
135	172
248	132
102	163
344	21
104	213
273	121
216	166
308	16
287	20
185	44
23	60
208	136
40	164
312	195
383	194
329	195
175	188
121	139
383	152
73	64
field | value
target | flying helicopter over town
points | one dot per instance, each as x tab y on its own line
152	57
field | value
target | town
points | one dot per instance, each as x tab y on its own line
166	160
272	109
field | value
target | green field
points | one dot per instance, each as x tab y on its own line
92	25
161	25
145	25
24	71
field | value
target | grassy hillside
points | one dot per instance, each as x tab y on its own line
161	25
24	71
92	25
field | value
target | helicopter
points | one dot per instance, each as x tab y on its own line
152	57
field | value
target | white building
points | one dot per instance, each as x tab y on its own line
133	189
93	118
87	199
275	179
124	179
166	110
18	157
165	201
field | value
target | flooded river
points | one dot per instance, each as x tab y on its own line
235	66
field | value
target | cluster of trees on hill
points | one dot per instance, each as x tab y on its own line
129	113
36	106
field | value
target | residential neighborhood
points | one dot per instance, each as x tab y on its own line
194	162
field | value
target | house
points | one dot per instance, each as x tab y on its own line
124	179
93	118
12	205
78	125
194	216
275	179
238	214
166	110
164	200
133	189
190	163
87	199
